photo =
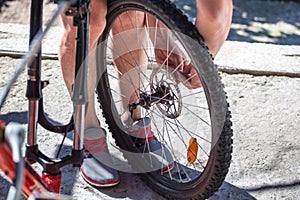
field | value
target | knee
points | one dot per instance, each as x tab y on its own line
215	11
97	20
67	41
213	21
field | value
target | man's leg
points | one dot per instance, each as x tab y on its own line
130	46
129	41
93	171
213	21
67	55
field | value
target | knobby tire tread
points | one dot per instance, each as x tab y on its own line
223	148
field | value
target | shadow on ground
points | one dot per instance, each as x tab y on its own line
131	184
3	3
19	117
276	22
274	186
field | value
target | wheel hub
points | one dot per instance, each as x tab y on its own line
164	93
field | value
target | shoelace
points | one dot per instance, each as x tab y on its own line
94	146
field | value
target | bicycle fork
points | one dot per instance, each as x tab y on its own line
51	167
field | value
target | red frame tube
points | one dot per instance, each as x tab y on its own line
33	183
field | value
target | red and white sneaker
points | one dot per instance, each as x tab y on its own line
96	168
160	156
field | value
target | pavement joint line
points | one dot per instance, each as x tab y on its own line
20	54
231	70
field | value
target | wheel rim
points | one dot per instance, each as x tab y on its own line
189	106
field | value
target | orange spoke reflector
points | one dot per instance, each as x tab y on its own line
192	150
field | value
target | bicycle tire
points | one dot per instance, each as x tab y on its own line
210	178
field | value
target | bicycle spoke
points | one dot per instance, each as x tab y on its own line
151	62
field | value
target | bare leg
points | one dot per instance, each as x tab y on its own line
67	55
213	22
130	58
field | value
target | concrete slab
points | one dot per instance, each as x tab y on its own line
259	58
235	56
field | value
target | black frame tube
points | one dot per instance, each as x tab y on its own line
33	91
80	95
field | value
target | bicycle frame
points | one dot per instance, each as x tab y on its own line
32	181
51	176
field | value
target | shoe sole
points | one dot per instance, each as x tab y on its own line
113	143
97	184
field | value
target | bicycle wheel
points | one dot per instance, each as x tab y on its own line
140	56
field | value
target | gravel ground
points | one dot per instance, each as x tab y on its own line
265	109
